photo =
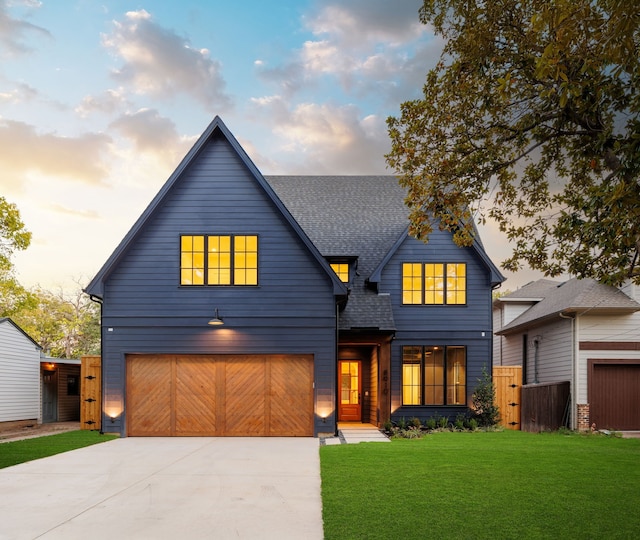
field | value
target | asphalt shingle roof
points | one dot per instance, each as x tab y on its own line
350	216
573	296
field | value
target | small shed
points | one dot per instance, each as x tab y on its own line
19	374
60	389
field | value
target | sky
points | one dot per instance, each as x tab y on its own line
99	102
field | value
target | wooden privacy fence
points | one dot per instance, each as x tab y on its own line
545	407
90	393
507	384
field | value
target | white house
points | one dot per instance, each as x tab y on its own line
578	331
19	374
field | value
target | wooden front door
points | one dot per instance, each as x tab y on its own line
350	402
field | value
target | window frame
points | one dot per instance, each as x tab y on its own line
443	388
233	255
440	284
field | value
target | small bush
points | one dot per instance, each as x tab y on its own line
415	422
431	423
484	401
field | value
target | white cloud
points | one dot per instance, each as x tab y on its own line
20	93
159	63
13	31
358	23
326	139
109	102
79	159
153	134
371	47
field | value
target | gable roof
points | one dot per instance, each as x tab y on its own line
96	286
357	216
12	323
574	296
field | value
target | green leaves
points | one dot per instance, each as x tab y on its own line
531	118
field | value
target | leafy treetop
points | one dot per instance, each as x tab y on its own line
530	119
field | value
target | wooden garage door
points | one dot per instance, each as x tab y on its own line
220	395
614	394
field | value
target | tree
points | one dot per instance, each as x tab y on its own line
531	119
13	234
64	326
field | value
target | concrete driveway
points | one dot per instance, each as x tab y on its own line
155	488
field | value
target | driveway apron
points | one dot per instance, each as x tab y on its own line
155	488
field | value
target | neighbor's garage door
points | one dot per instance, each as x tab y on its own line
614	395
222	395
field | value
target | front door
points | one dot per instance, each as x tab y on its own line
350	408
49	396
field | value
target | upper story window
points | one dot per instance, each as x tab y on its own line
342	271
434	283
218	260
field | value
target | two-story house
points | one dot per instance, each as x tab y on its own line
246	305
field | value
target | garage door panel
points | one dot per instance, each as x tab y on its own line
195	400
220	395
614	397
245	396
149	396
291	390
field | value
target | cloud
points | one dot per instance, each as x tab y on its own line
21	93
87	214
24	150
358	23
372	47
109	102
153	134
159	63
13	31
327	139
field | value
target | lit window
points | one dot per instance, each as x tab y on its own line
342	271
442	283
192	260
219	260
229	260
245	260
412	283
434	375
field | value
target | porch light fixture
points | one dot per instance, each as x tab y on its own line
216	321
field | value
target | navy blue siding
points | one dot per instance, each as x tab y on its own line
468	325
145	310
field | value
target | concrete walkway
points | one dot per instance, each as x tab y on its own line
167	488
356	433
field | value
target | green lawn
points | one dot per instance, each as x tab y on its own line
12	453
483	485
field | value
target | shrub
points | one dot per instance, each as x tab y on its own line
484	401
415	422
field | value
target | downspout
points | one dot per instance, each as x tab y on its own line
573	391
337	375
536	346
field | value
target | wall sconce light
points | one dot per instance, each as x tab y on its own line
113	419
217	320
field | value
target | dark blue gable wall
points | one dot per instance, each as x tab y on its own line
468	325
145	310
